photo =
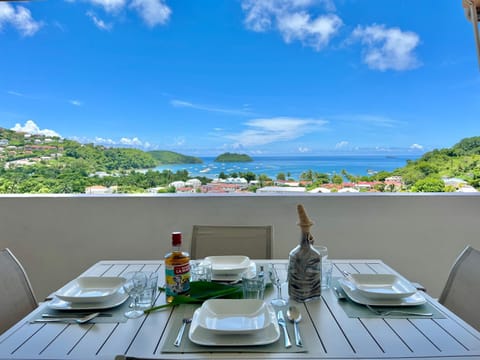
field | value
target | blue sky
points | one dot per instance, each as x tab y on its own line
263	77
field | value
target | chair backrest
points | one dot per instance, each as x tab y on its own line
461	293
252	241
16	297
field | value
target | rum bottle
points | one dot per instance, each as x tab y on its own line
177	269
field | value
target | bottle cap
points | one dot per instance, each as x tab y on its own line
176	238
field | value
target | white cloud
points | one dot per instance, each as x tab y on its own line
315	33
15	93
99	23
373	120
124	141
341	145
131	141
111	6
179	141
186	104
266	131
303	149
20	18
416	147
76	102
31	128
153	12
388	48
100	140
293	20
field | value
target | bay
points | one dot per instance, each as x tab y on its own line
293	166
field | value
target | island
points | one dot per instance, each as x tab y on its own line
233	157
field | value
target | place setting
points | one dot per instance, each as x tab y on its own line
93	299
381	295
251	322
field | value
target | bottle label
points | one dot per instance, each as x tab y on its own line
177	278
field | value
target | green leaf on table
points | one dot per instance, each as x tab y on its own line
201	291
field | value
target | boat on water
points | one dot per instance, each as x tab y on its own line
205	170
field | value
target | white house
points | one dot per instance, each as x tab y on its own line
177	184
195	183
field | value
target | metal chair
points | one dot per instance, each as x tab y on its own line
252	241
17	298
462	289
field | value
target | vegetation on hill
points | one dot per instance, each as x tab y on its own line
101	158
170	157
460	161
54	165
233	157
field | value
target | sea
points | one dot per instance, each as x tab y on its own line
293	166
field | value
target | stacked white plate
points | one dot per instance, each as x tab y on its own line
239	322
90	292
381	290
230	268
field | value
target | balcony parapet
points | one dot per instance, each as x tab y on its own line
57	237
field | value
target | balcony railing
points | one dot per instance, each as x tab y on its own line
57	237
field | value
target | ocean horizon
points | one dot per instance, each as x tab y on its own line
293	166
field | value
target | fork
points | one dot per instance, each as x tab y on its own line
78	320
388	312
178	340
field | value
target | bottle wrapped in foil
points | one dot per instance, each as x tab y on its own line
305	264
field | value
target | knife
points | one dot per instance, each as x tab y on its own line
283	324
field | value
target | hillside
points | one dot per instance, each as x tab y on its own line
460	161
232	157
170	157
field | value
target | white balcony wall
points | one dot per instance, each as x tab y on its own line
58	237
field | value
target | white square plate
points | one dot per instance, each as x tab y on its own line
226	316
382	286
234	277
267	335
90	289
117	299
352	292
228	265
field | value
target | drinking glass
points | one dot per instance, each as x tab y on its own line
147	297
327	268
200	270
253	283
135	283
278	277
322	250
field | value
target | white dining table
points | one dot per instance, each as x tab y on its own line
328	332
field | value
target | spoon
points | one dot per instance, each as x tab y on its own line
294	316
78	320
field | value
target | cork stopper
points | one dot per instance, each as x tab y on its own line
304	222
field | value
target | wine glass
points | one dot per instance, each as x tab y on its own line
135	283
278	277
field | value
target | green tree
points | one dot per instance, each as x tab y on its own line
429	185
321	178
337	179
307	175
